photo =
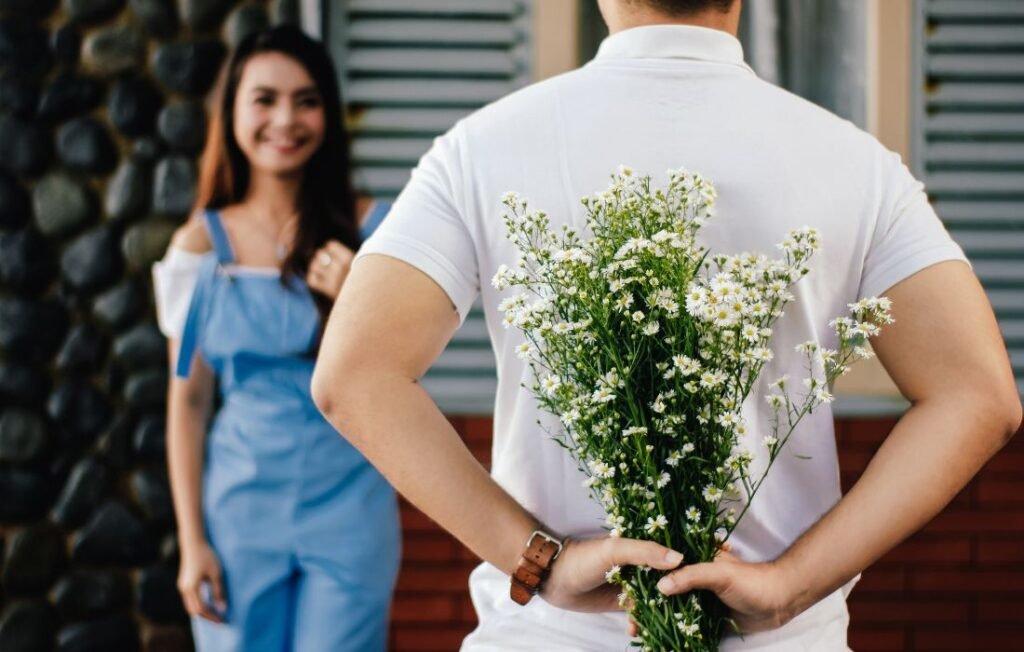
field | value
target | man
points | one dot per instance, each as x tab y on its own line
667	89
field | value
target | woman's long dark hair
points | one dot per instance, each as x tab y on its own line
327	202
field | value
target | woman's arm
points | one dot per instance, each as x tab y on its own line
189	402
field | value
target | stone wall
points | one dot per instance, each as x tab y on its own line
101	121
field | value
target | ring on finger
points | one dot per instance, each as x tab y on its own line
325	259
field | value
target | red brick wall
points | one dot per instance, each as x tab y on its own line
956	585
432	610
959	583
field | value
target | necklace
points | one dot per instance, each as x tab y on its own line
281	247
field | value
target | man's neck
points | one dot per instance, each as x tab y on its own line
619	17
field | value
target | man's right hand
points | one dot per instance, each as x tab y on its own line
199	564
578	579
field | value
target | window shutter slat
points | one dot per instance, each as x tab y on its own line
410	70
968	136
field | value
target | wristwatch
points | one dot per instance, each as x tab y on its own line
542	549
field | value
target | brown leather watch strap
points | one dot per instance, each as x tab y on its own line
534	565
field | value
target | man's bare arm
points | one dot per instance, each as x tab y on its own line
947	356
388	325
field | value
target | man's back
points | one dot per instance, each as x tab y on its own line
656	98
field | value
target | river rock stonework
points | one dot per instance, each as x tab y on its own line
102	118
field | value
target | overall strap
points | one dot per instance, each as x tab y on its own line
190	334
219	237
376	216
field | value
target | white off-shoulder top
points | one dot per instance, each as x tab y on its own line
175	276
174	281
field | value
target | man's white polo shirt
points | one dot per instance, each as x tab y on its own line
656	98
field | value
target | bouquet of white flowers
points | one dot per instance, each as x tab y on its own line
646	347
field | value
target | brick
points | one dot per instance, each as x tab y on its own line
1016	443
848	479
415	521
864	639
854	461
429	639
908	611
973	522
479	429
996	474
1009	640
467	614
990	492
1006	461
424	609
922	550
467	555
883	580
964	499
979	581
839	425
432	578
999	612
482	452
867	432
1000	551
429	547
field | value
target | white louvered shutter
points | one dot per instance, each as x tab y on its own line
409	70
968	138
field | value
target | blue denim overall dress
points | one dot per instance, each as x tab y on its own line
305	528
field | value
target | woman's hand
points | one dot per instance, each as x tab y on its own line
199	564
329	268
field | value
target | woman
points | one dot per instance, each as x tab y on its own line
289	538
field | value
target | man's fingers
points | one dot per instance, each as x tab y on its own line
711	576
633	552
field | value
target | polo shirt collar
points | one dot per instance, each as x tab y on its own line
673	42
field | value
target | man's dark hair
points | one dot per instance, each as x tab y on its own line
690	7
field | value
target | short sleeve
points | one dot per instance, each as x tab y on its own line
426	226
174	281
908	235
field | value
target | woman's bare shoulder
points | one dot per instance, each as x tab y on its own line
192	236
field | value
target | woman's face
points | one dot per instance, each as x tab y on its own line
278	114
